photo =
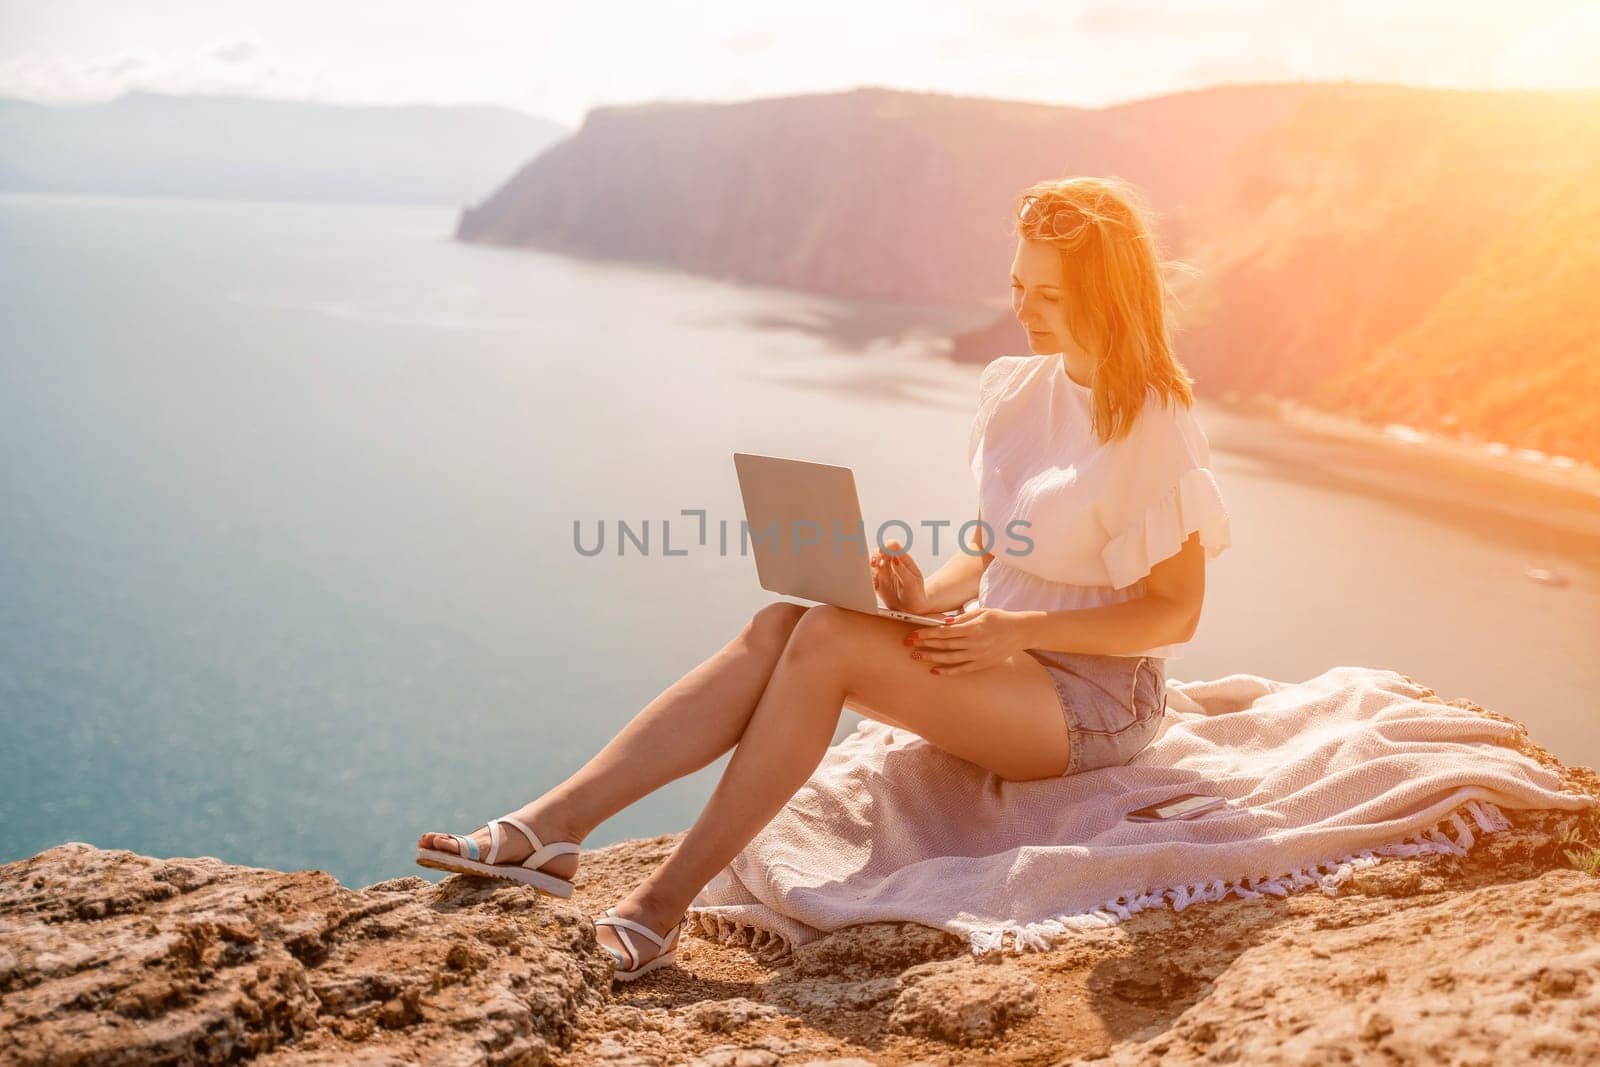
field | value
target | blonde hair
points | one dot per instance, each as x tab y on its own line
1117	299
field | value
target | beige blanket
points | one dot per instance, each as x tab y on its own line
1324	777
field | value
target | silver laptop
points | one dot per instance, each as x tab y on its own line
806	532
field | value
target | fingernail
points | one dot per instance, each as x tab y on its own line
916	655
933	670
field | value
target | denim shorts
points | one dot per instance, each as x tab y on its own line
1113	705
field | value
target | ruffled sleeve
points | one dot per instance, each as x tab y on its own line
1169	492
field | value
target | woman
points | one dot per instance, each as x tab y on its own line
1058	669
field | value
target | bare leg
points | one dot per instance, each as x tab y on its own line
690	725
1007	719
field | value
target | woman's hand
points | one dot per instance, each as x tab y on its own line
971	641
898	579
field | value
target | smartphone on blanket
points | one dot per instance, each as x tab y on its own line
1186	806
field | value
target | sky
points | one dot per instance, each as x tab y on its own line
558	60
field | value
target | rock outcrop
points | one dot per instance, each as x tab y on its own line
112	957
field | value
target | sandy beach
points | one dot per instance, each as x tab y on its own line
1557	491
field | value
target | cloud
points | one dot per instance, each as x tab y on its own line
1140	18
750	42
1224	69
1552	52
238	65
242	51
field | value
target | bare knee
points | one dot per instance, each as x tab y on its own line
770	627
820	632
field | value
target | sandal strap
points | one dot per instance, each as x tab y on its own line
633	950
494	842
617	920
549	852
527	831
542	853
663	944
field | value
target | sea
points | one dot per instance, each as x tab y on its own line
292	497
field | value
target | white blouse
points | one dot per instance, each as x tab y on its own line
1100	515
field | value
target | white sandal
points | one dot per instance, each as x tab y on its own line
524	873
662	959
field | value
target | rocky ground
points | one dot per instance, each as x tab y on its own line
111	957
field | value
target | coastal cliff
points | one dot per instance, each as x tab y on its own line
1385	252
111	957
867	194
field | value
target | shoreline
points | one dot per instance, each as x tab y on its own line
1503	494
1523	464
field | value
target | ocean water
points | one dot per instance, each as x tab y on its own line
287	571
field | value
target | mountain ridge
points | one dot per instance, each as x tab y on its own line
1350	238
248	148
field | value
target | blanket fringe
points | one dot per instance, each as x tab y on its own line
1327	875
765	945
